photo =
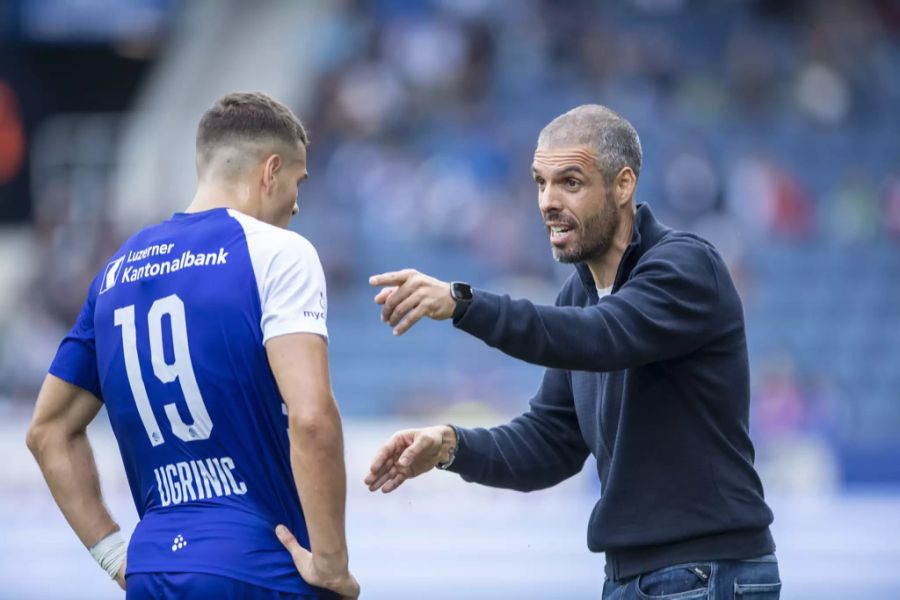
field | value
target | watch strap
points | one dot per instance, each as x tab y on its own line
443	466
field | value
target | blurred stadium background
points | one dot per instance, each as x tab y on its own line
770	127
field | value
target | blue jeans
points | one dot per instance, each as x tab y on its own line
751	579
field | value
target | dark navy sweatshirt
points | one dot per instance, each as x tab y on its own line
653	380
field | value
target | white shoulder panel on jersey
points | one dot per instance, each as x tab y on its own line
289	277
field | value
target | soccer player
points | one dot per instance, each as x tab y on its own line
647	370
205	338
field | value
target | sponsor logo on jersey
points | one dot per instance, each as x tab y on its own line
318	315
110	276
187	260
149	251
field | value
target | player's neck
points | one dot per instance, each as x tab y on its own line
212	195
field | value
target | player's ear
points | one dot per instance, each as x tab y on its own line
272	165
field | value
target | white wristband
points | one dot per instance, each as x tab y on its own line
110	553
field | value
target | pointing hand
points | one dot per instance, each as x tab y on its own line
409	295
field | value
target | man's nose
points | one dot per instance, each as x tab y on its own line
549	200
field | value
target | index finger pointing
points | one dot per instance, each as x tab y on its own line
390	278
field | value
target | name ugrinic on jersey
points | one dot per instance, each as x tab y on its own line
185	481
187	259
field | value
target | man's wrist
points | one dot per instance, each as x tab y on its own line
335	564
449	446
110	553
462	296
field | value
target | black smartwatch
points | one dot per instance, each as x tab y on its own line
462	293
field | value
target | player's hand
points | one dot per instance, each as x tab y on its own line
408	454
409	295
120	576
316	572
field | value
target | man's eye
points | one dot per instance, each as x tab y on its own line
572	182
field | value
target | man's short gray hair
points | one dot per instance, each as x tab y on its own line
615	140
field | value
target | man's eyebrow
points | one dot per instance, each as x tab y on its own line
568	169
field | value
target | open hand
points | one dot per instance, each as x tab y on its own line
409	295
335	578
408	454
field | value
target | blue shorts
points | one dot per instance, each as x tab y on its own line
200	586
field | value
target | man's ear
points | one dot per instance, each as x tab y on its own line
624	185
272	165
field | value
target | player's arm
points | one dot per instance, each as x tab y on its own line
58	440
299	362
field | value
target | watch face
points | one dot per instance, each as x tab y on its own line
461	291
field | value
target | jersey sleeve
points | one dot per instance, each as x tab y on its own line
76	357
293	294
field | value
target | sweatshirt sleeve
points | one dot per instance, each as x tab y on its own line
669	307
535	450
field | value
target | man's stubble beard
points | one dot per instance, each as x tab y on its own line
598	233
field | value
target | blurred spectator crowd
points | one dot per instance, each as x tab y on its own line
771	128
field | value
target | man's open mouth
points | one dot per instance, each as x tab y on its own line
559	234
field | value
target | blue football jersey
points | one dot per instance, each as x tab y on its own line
171	338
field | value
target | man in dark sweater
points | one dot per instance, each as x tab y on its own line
647	370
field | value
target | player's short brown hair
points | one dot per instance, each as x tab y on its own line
248	116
